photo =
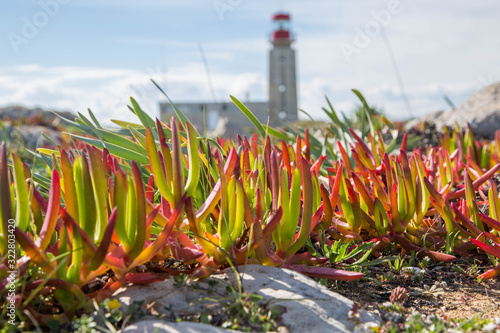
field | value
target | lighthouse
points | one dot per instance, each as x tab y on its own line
282	76
281	106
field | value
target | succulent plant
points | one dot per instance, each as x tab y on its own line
398	295
119	199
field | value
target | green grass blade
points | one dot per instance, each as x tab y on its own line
114	149
21	189
145	119
250	116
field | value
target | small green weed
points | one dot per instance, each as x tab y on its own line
397	264
180	280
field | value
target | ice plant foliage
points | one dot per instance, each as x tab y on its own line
118	199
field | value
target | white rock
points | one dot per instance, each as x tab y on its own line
412	270
481	110
154	326
309	306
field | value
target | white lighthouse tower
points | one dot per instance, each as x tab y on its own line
282	76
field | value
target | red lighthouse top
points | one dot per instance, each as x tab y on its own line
281	27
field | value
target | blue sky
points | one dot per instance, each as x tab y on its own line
96	54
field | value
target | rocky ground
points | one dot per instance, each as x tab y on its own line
265	299
448	289
285	301
481	110
23	127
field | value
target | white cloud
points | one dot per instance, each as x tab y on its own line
106	91
68	88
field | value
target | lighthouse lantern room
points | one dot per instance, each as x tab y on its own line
281	27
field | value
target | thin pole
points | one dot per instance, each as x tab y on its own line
207	70
397	72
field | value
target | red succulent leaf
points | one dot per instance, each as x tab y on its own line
421	253
363	145
317	165
326	220
144	278
489	221
326	272
345	158
308	145
481	180
49	224
271	224
37	255
403	144
494	251
494	272
150	190
286	157
103	248
5	203
162	239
